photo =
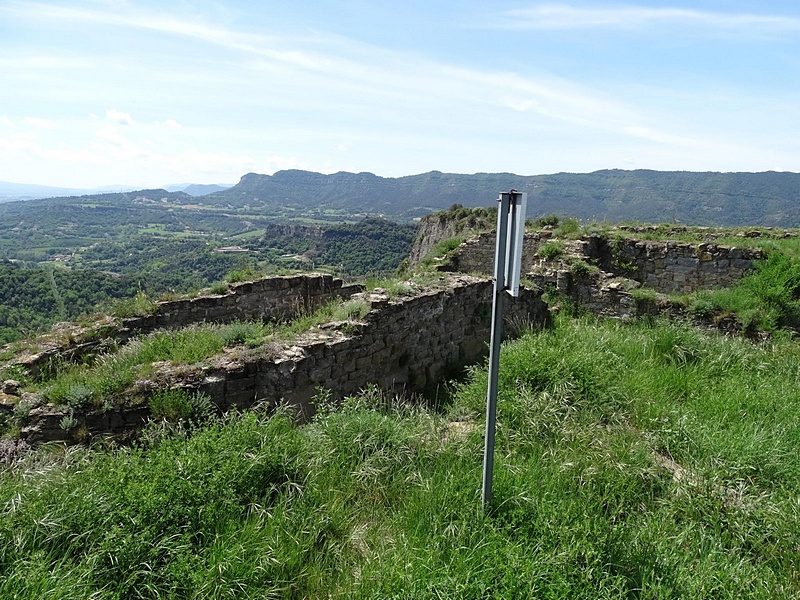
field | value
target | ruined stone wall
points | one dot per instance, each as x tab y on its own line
597	292
408	344
476	255
272	298
663	266
674	266
275	298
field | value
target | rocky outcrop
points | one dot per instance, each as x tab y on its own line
458	222
432	230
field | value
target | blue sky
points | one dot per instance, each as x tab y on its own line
147	93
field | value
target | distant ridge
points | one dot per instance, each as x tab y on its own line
197	189
693	198
10	191
24	191
696	198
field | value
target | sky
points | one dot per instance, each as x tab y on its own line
149	93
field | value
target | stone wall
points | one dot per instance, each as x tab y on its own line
598	292
663	266
407	344
269	299
673	266
273	298
476	255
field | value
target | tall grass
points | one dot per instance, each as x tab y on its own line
633	460
100	383
768	298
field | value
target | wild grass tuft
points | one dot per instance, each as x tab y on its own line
768	298
551	249
101	383
138	306
568	228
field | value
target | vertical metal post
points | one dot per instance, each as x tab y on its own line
494	345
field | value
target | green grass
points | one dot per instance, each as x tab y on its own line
137	306
101	383
246	273
768	298
643	460
787	246
440	252
567	228
551	249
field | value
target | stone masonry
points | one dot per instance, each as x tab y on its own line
663	266
408	345
269	299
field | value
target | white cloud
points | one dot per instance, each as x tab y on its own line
6	121
303	96
661	137
109	133
38	123
564	16
118	117
19	142
169	124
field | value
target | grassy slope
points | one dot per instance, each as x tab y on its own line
647	461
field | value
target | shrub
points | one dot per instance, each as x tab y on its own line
550	220
551	249
243	332
441	251
702	306
67	422
444	247
138	306
351	310
567	227
767	298
581	269
171	405
246	273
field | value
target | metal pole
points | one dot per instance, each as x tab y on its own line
494	346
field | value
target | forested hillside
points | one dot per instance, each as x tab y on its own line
770	198
68	261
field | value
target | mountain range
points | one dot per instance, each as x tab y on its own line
10	192
770	198
694	198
